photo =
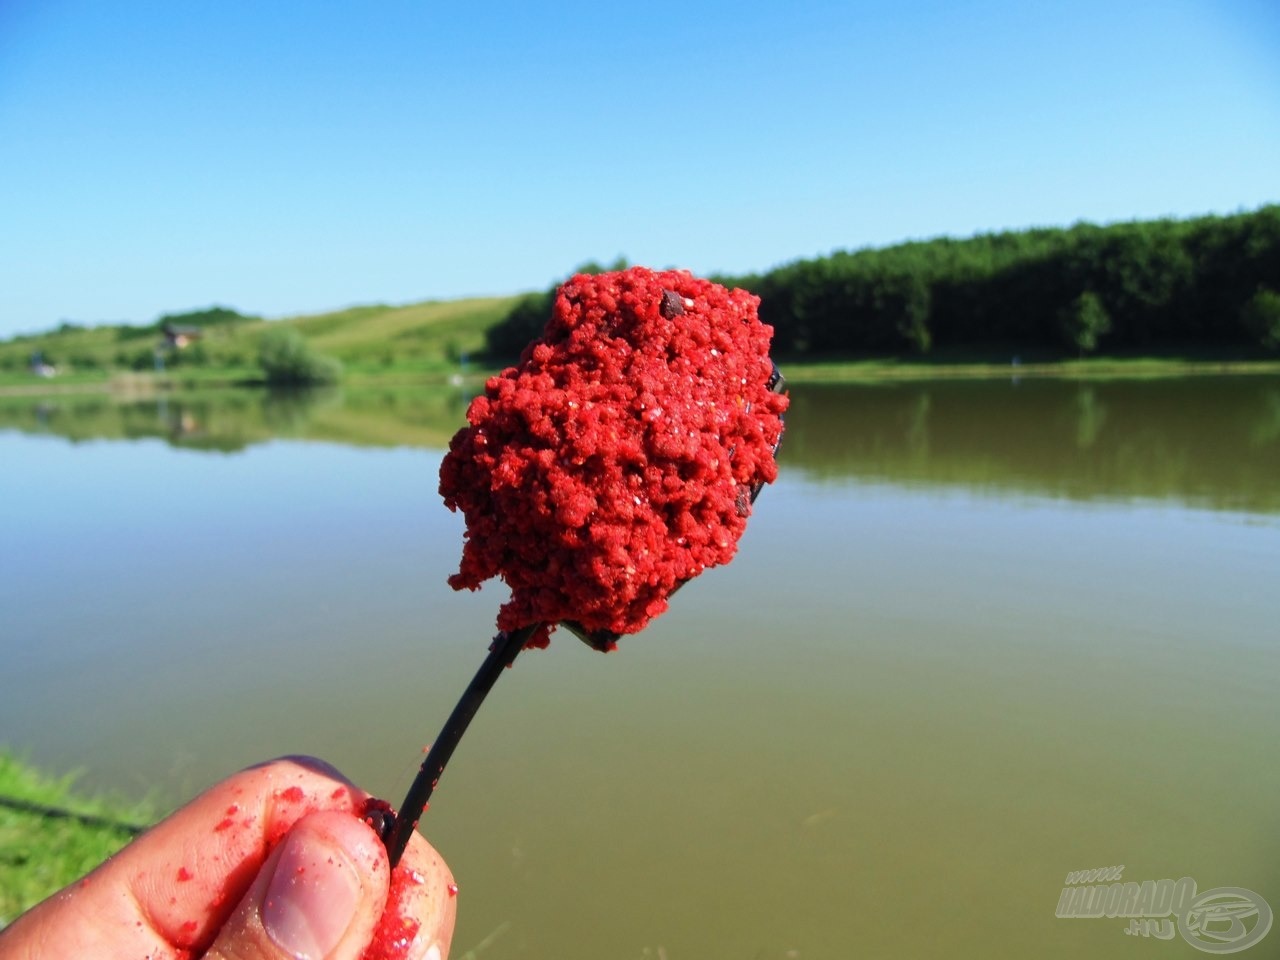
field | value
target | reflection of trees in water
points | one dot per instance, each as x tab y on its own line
918	424
442	408
74	418
1209	441
1091	414
1205	441
1267	428
232	420
287	411
223	424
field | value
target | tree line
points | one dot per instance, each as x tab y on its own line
1207	282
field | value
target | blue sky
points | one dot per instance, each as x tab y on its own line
285	157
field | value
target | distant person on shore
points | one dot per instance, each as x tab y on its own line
274	863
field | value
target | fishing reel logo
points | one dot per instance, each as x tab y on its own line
1221	920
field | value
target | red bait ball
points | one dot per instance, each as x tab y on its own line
616	460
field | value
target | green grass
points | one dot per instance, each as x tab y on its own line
41	853
442	329
962	364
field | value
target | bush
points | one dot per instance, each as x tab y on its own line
85	361
194	356
1261	316
142	360
287	361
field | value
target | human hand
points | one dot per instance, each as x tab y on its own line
273	863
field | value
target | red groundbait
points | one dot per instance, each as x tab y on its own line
618	459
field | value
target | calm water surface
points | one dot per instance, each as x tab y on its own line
979	635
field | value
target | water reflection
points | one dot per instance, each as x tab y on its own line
1211	442
951	663
1208	442
233	420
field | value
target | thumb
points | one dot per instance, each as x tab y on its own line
317	897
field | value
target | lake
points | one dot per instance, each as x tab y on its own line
980	635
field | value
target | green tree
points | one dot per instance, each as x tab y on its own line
210	316
506	340
525	322
288	361
1161	281
594	267
1261	317
913	321
1084	321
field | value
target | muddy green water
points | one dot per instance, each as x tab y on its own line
978	636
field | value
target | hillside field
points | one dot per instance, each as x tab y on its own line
432	338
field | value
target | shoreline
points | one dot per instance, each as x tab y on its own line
142	386
873	371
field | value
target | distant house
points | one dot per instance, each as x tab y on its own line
177	336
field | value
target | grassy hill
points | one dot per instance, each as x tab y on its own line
428	333
433	337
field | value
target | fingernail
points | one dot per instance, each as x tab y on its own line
312	897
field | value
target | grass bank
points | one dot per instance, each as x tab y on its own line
1093	368
51	834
